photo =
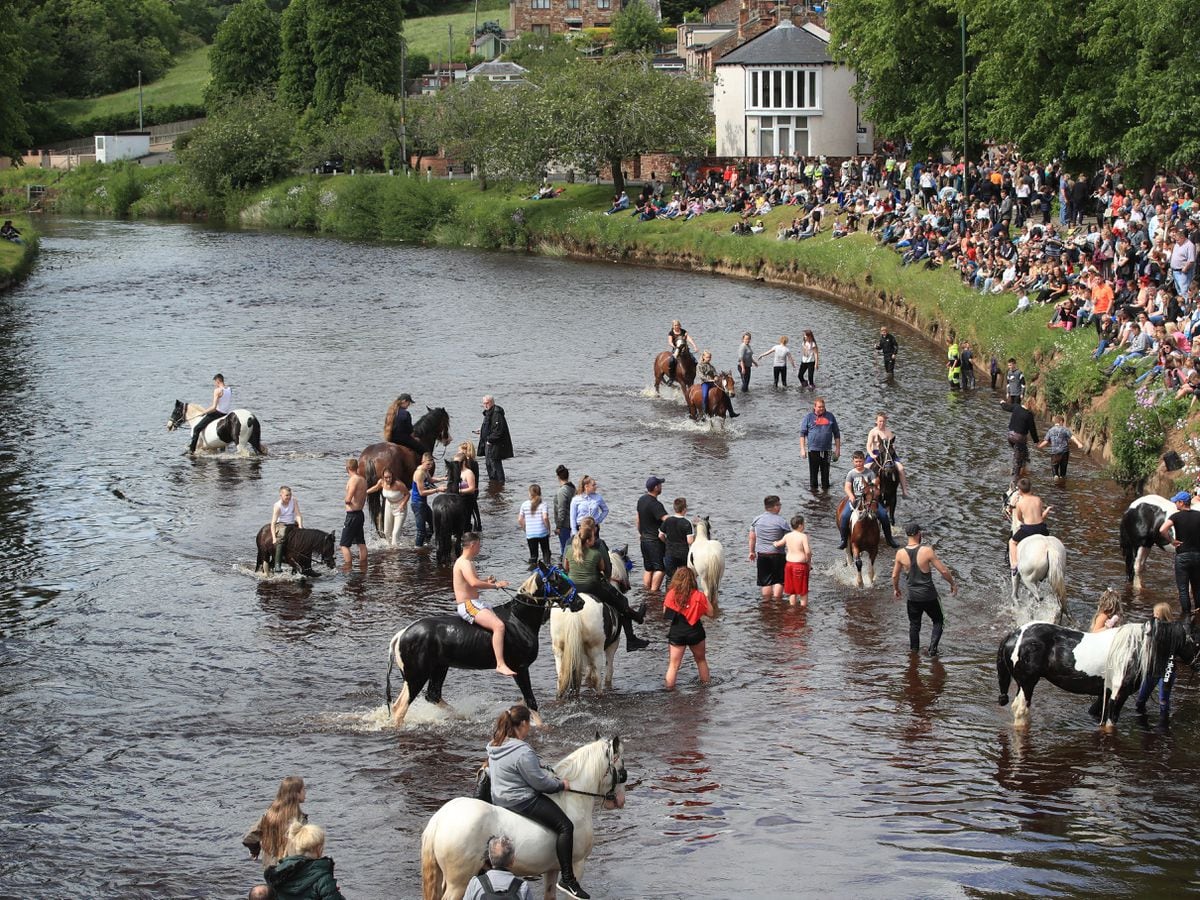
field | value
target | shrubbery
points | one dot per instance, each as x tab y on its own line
248	144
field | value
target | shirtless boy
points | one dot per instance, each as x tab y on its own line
878	439
467	585
797	563
1031	512
353	532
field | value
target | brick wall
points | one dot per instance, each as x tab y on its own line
556	13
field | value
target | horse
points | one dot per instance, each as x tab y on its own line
456	837
428	648
864	533
1140	524
889	478
239	427
579	638
451	516
716	406
1039	558
685	368
302	544
706	558
1108	665
432	428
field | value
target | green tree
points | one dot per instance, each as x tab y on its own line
503	130
542	51
14	133
353	40
601	112
246	143
367	133
635	29
244	58
297	70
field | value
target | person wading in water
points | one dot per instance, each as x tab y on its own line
918	562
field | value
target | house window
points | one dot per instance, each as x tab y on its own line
543	30
572	4
782	89
603	4
783	136
539	4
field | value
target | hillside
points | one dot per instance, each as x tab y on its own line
184	83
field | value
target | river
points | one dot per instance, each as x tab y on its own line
153	691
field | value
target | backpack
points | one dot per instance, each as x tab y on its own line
490	893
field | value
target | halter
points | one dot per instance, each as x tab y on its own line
550	593
619	776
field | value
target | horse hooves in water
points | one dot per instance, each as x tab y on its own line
1003	701
535	717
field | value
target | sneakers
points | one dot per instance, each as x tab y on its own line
570	887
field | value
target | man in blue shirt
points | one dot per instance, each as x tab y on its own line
820	443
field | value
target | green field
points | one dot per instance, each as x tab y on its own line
184	83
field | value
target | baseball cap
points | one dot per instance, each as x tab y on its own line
912	529
405	397
1182	497
653	481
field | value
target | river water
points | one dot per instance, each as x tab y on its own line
153	691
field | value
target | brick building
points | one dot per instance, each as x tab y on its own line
563	16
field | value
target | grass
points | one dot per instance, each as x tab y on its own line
17	259
183	84
430	35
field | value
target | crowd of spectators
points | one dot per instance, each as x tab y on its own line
1108	251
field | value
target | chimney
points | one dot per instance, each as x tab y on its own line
743	18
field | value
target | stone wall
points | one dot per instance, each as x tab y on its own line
588	13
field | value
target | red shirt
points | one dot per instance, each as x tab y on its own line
692	610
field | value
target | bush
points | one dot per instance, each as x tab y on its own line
124	189
249	143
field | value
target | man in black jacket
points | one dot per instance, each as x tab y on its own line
495	443
889	347
1021	429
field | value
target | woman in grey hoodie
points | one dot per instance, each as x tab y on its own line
519	783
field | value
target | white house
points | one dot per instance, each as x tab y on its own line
130	145
780	94
497	71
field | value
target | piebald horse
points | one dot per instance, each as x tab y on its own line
239	427
1039	558
706	558
864	530
432	428
1109	665
581	639
716	407
454	841
1140	532
685	368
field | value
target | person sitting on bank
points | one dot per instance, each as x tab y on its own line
499	879
9	232
620	203
706	373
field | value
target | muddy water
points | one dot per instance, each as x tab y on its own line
153	691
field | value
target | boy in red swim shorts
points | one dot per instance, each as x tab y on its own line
797	563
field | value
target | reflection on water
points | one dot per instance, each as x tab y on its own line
153	689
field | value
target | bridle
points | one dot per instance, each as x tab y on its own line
549	593
618	776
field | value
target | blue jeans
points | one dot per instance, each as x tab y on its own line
423	517
844	521
1124	358
564	538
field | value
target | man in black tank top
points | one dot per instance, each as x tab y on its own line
918	562
1186	522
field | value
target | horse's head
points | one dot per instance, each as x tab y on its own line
870	498
597	768
681	343
725	383
433	427
616	776
550	586
622	565
178	415
327	550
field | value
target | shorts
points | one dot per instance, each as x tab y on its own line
652	554
770	569
795	578
352	530
1026	530
469	610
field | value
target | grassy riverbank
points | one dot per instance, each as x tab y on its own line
16	260
1063	378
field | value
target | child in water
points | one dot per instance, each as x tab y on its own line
1108	612
797	563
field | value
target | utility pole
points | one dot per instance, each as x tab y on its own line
403	102
962	22
476	34
139	99
450	28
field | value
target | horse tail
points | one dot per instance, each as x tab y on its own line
374	500
1056	557
394	660
1128	653
255	438
1004	667
571	662
433	882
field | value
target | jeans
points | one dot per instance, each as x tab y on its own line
745	373
1164	686
1187	579
545	812
1124	358
809	370
564	538
818	464
1182	281
423	518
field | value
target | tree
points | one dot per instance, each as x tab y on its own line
368	131
635	29
244	58
14	133
542	51
601	112
503	130
248	142
353	40
297	70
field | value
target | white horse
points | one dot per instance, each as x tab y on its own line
581	638
706	558
454	841
1039	558
239	427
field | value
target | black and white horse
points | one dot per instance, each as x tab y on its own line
426	650
586	641
1109	665
451	516
1140	533
240	427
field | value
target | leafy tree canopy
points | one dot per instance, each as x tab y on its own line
635	29
244	58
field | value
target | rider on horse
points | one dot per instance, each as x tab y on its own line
285	517
222	405
1031	512
398	424
881	448
855	486
585	562
467	585
678	340
706	372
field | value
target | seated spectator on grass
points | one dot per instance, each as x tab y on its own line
620	202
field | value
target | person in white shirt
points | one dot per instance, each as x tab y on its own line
222	405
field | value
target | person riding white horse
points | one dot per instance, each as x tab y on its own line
1028	510
222	405
856	479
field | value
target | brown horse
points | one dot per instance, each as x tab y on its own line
718	394
864	533
432	428
685	368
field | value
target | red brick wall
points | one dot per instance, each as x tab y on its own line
524	16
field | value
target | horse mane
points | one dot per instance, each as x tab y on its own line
701	528
529	586
427	429
453	470
1131	648
588	763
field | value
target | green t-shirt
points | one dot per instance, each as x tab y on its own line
586	573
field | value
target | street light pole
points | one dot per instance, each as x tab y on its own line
139	99
962	22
